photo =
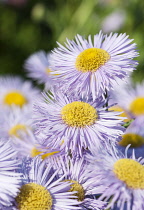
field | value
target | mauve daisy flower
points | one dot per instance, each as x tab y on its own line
42	190
15	91
27	146
134	135
131	99
121	178
14	120
114	98
74	171
92	67
38	68
9	179
75	123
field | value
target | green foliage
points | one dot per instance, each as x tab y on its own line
39	24
126	125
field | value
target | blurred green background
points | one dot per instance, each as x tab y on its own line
27	26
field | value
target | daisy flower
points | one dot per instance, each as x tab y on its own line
131	99
28	146
38	68
9	179
75	123
25	145
42	190
15	91
113	95
133	135
14	120
92	67
121	178
74	171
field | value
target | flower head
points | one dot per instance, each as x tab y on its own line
90	67
14	91
75	124
41	189
131	99
38	68
27	145
74	171
122	179
15	120
133	135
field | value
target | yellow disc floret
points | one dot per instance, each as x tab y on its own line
14	131
79	114
15	98
33	196
36	152
131	138
75	186
131	172
137	106
91	59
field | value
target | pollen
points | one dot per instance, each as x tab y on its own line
91	59
33	196
79	114
15	131
15	98
137	106
119	109
75	186
131	138
36	152
130	172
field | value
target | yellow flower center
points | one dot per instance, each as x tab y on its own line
91	59
36	152
75	186
131	172
119	109
79	114
131	138
15	131
15	98
137	106
33	196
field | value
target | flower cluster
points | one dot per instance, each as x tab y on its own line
72	146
